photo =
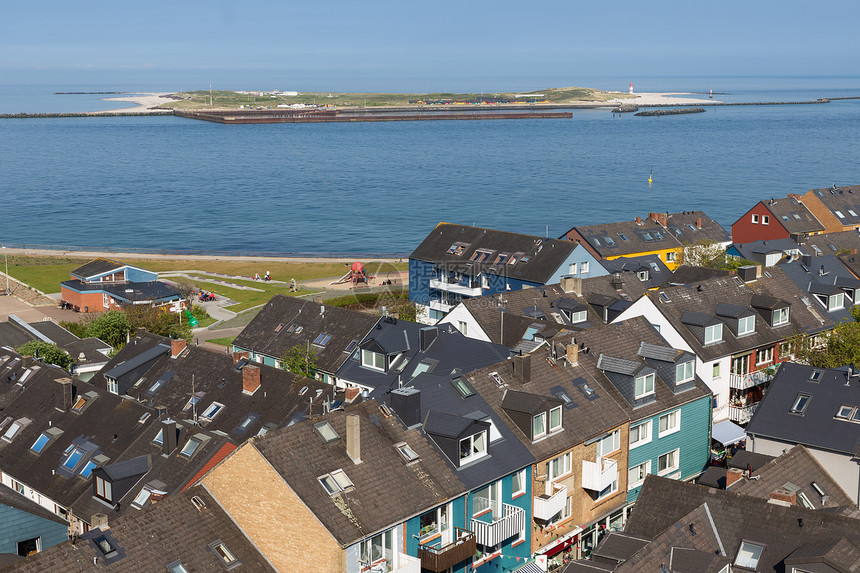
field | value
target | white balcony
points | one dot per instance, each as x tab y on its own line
545	506
473	290
742	414
744	381
512	522
599	475
407	564
441	306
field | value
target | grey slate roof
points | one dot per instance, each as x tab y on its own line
757	251
151	291
833	243
343	325
655	269
793	215
387	490
545	255
818	426
658	352
171	530
637	237
133	361
843	199
687	274
685	226
825	275
721	520
97	267
618	365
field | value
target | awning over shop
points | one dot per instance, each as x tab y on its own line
728	433
531	567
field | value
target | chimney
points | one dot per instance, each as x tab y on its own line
250	379
353	438
638	220
699	222
168	436
806	260
63	397
427	336
160	411
617	282
237	356
572	354
177	345
99	521
140	331
523	368
407	403
784	495
733	475
571	285
661	218
350	394
26	362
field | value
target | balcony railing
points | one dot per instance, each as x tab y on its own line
512	522
545	506
467	288
442	558
439	305
599	475
744	381
408	564
742	414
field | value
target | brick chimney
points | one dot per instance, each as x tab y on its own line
662	218
781	494
177	345
638	220
237	356
63	397
353	438
250	379
699	222
523	368
733	475
99	521
350	394
572	354
571	285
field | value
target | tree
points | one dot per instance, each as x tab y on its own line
301	360
840	348
158	320
112	326
47	352
704	253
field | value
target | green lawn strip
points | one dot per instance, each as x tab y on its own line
244	298
226	341
45	273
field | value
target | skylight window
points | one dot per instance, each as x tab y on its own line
177	567
247	423
141	498
223	553
292	329
839	214
648	236
213	410
815	375
189	448
460	384
40	443
73	458
623	237
322	339
88	469
143	418
351	346
79	404
191	403
326	432
498	379
336	481
408	453
844	411
501	258
749	555
458	248
852	212
818	489
105	546
480	255
159	437
800	403
658	235
609	241
279	328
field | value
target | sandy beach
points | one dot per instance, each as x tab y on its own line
143	101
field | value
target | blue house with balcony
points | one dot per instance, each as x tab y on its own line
456	262
26	527
668	405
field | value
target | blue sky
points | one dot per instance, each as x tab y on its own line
418	46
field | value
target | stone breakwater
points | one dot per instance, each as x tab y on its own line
84	114
680	111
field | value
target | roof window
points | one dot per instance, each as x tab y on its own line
816	374
40	443
845	412
800	403
213	410
279	328
224	554
176	567
501	258
839	214
408	453
609	241
198	503
105	546
336	481
623	237
191	403
192	445
480	255
247	423
79	404
351	346
498	379
749	555
326	432
322	339
74	456
818	489
143	418
462	387
458	248
88	469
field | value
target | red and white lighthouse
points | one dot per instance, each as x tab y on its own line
631	88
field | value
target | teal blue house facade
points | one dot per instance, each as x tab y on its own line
681	451
23	532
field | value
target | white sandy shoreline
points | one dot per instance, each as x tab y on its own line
144	102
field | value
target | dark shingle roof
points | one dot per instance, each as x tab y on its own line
686	274
97	267
793	215
655	269
150	291
171	530
685	226
844	199
265	335
545	256
637	235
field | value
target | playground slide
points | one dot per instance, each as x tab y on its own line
343	279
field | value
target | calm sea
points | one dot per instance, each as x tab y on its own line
172	183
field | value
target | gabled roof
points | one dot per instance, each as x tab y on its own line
97	267
654	268
173	529
133	361
273	330
539	258
619	365
525	402
845	200
150	291
757	250
388	489
793	215
608	239
693	227
819	426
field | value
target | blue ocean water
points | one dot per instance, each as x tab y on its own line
172	183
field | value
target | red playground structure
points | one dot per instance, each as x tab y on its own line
357	275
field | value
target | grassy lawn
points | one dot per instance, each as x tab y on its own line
45	273
226	341
245	298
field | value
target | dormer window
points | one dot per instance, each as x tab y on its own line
836	301
713	334
374	360
577	317
746	325
539	426
684	372
749	555
103	489
473	447
555	419
644	386
780	316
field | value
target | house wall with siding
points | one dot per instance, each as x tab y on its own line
693	441
412	526
140	275
272	515
18	525
461	314
745	231
578	256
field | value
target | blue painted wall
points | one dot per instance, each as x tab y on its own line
579	256
140	275
17	525
693	440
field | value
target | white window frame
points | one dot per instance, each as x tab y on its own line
612	441
640	472
494	500
755	219
583	268
571	269
715	370
640	441
674	418
688	373
645	384
716	331
744	326
520	477
208	413
370	358
609	490
365	548
442	516
112	386
832	305
764	355
474	452
565	462
463	327
578	316
783	314
751	557
555	428
12	431
765	220
539	418
676	460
